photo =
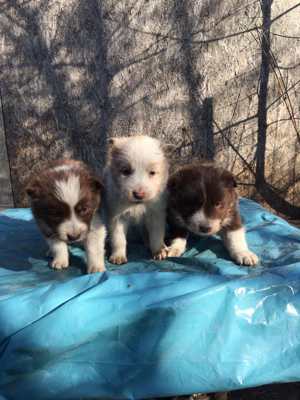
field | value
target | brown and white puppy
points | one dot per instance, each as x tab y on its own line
136	176
65	199
203	200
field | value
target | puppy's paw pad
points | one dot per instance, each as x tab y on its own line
60	263
161	254
246	258
118	259
93	268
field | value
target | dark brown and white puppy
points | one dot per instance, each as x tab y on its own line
65	201
136	176
203	200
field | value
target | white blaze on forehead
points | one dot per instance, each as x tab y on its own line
68	190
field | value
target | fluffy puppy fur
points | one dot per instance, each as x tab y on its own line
135	177
203	200
65	199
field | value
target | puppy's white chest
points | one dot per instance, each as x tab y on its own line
135	213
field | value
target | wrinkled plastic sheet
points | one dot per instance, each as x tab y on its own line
198	323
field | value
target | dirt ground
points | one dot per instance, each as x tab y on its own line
287	391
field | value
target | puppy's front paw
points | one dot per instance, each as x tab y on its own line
118	259
161	254
93	268
246	258
174	251
60	263
177	247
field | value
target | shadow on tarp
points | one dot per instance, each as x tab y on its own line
24	248
102	357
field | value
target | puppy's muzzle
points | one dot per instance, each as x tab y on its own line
74	237
139	195
204	229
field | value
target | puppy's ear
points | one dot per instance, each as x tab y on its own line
34	188
114	146
116	141
228	179
168	149
110	148
111	142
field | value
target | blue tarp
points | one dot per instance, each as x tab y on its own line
198	323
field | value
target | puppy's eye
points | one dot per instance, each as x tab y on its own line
219	204
55	214
82	210
126	171
152	173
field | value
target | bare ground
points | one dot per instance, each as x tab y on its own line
287	391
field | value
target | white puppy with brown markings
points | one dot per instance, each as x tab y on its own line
202	199
135	178
66	201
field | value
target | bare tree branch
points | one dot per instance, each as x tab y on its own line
284	13
285	36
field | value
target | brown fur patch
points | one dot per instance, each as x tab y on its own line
203	186
48	209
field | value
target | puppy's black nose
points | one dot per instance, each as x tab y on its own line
73	238
203	229
138	195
